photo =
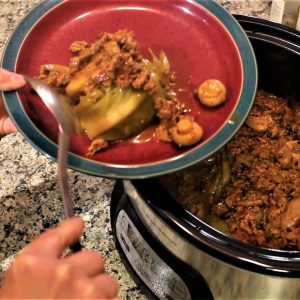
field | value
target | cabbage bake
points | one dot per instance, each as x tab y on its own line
116	93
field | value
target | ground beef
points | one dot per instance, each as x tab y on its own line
117	59
261	203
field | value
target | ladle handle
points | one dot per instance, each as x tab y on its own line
63	143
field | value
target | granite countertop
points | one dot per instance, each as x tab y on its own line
29	198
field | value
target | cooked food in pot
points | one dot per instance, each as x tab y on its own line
116	93
251	188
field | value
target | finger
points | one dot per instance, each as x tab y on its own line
101	287
6	126
10	80
89	262
53	242
107	286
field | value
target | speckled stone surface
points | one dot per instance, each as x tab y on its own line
30	202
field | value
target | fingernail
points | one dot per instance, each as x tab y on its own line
2	126
7	126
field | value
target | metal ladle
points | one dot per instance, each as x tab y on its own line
65	117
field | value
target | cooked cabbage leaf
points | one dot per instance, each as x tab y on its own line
134	124
118	114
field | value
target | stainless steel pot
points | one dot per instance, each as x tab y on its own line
227	268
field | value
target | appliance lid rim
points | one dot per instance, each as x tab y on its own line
277	29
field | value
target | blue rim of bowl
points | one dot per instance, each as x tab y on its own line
76	162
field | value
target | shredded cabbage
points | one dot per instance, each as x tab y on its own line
116	113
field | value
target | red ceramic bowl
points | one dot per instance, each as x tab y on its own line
201	40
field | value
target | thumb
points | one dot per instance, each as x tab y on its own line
10	80
6	126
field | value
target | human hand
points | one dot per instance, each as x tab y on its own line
8	81
41	273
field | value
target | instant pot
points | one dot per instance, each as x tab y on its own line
170	253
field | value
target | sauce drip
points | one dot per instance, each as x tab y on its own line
145	136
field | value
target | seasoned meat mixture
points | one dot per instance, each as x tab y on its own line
116	92
251	188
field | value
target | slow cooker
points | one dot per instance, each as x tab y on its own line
170	253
